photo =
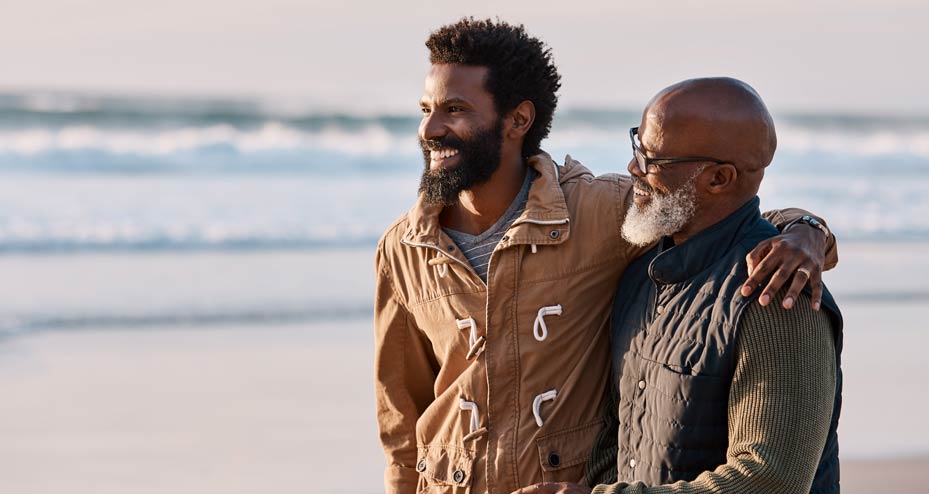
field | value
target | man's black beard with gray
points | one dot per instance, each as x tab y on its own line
478	159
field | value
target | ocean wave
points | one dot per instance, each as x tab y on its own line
111	239
278	148
52	214
271	136
12	326
61	132
84	174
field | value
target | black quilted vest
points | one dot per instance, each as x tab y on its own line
675	321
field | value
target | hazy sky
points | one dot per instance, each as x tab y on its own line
851	55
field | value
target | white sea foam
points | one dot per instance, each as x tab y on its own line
913	143
791	138
340	181
372	140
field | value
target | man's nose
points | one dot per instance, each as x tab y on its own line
432	127
634	169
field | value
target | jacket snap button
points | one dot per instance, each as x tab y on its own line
451	248
553	459
632	463
458	476
642	384
505	238
554	233
659	309
421	466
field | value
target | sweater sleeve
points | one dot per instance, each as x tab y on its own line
404	374
780	406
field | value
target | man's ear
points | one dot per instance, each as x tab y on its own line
723	178
519	120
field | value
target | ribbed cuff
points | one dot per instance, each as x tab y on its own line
609	488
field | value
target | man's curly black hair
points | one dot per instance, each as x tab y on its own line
519	68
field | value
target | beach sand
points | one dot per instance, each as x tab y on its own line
189	410
288	407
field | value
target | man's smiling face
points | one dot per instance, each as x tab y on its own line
665	198
460	133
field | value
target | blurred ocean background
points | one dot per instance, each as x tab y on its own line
233	239
85	177
94	174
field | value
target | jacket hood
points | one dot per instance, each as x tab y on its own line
571	170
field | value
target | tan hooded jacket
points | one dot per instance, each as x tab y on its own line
490	387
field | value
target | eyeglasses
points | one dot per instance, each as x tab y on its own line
643	161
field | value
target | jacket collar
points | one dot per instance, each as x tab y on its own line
545	206
677	263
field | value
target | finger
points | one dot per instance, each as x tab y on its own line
762	271
816	283
800	279
774	285
757	254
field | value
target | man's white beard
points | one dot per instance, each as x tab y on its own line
664	215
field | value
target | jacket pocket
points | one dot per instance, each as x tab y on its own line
564	454
445	469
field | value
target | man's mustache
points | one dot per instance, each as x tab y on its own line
641	184
443	142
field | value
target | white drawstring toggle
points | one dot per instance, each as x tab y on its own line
476	342
476	349
534	249
539	329
441	265
475	417
537	404
468	323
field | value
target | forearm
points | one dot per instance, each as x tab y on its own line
780	407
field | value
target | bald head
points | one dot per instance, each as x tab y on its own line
723	138
718	117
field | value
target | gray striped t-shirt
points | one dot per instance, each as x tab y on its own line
478	248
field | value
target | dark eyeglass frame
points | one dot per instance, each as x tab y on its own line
643	161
